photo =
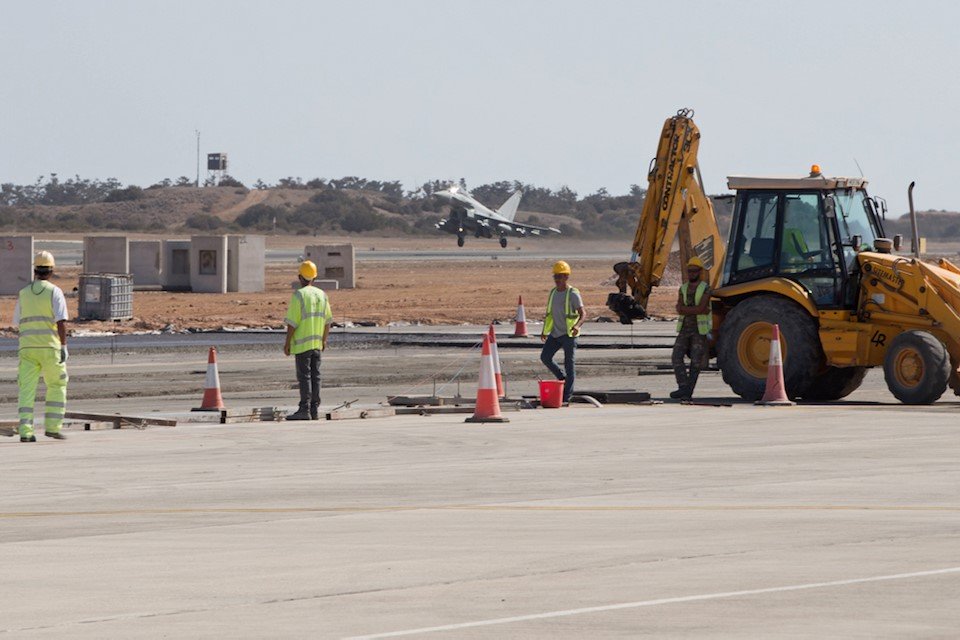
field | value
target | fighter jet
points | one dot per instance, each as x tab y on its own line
469	216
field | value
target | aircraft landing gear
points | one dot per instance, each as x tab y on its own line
503	242
459	241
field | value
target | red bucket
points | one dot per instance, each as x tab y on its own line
551	394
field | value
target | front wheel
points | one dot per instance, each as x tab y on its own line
503	242
460	241
917	368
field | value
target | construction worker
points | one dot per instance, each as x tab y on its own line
41	315
308	315
561	326
695	322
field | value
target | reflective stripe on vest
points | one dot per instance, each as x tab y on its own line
38	328
704	320
311	319
571	315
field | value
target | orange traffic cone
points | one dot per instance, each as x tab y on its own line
212	400
495	354
775	393
520	326
488	406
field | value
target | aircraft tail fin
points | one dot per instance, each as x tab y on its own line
509	208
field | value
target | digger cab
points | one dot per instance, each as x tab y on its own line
793	259
807	230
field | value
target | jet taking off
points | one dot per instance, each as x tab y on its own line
469	216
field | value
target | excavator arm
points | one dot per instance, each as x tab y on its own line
675	207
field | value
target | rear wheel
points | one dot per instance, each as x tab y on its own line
835	383
744	347
917	368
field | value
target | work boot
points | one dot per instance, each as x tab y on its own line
314	413
28	439
56	435
679	394
301	414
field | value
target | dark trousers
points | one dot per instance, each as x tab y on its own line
568	375
696	346
308	375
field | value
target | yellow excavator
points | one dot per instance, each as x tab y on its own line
809	254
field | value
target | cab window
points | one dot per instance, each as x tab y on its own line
805	247
755	240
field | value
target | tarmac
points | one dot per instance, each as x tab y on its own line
664	520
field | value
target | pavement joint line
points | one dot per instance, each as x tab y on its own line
656	602
10	515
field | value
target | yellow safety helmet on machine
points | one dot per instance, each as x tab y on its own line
44	259
308	270
561	267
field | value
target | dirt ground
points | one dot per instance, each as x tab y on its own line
431	292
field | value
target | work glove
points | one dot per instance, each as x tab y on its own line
64	354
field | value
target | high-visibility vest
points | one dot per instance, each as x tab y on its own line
38	327
704	320
570	315
308	314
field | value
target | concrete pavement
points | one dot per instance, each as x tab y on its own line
667	520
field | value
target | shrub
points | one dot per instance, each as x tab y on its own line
124	195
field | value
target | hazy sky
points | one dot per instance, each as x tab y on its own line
553	92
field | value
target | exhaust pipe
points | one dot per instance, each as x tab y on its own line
913	222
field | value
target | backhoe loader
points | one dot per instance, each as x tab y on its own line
809	254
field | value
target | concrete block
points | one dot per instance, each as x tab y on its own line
334	262
106	254
175	272
245	263
146	262
16	263
326	285
208	264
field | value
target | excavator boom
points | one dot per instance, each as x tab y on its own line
675	206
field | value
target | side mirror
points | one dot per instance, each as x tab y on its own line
897	242
856	241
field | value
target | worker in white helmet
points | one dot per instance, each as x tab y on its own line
41	315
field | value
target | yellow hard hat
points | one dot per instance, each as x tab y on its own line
44	259
561	267
308	270
695	262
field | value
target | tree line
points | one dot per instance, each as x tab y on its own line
350	204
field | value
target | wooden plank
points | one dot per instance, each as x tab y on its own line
352	414
119	420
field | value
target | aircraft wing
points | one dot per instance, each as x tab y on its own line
521	229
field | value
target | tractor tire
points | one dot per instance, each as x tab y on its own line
745	334
917	368
835	383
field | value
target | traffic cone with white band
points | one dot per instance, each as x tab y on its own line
495	354
775	393
212	400
488	405
520	326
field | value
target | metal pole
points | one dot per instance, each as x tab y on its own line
913	222
198	156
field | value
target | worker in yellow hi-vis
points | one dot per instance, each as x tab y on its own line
41	315
308	317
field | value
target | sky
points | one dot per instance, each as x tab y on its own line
552	92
